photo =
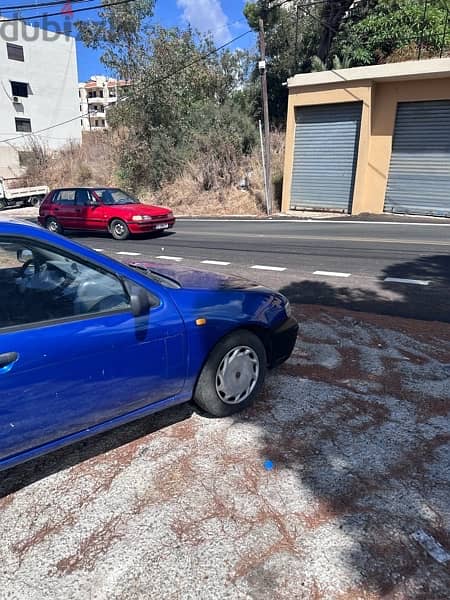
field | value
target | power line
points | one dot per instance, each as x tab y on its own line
40	5
75	10
62	2
154	82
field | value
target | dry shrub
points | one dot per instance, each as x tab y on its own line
411	52
95	162
187	196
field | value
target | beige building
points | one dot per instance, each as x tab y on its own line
370	139
96	96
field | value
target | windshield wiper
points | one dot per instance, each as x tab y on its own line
157	276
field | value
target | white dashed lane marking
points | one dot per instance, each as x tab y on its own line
409	281
223	263
331	274
268	268
175	258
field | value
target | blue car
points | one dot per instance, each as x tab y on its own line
88	343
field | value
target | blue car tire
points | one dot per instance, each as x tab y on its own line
233	374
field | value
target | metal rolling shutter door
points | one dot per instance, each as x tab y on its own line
419	176
325	155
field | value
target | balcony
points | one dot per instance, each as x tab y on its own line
97	100
97	113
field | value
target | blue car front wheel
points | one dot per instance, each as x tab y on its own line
233	374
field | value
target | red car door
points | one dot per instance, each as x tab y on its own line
83	209
99	216
64	209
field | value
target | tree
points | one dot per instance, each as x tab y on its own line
183	102
119	33
378	31
296	32
331	17
280	34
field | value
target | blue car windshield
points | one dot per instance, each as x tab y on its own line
115	196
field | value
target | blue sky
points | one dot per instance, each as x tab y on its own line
223	18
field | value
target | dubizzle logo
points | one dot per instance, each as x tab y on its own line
67	9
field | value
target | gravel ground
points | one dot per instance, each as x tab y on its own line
180	506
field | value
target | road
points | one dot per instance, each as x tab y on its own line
398	268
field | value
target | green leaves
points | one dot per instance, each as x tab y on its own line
185	104
120	33
382	29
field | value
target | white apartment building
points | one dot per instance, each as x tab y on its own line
96	96
38	91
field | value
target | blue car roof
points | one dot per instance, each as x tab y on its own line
6	220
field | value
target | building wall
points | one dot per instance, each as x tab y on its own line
50	70
92	118
384	109
377	128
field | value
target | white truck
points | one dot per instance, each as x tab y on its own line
21	196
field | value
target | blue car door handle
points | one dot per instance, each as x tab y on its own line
8	358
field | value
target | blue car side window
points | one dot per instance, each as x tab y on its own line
39	284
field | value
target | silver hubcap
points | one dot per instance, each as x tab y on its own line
53	226
119	229
237	375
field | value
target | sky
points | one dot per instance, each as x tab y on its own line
223	18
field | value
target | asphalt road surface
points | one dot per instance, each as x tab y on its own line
384	267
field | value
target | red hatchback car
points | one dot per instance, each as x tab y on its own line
102	209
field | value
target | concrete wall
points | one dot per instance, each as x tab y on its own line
380	101
50	69
9	163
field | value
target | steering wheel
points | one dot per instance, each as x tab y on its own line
30	262
47	274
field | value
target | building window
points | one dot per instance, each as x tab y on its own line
112	93
23	125
15	52
100	93
96	122
19	89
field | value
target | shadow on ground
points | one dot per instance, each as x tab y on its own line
37	469
413	301
359	419
79	236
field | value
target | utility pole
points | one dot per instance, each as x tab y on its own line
444	35
296	40
422	31
265	101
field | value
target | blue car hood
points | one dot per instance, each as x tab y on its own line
194	279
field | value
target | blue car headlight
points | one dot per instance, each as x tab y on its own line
288	308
